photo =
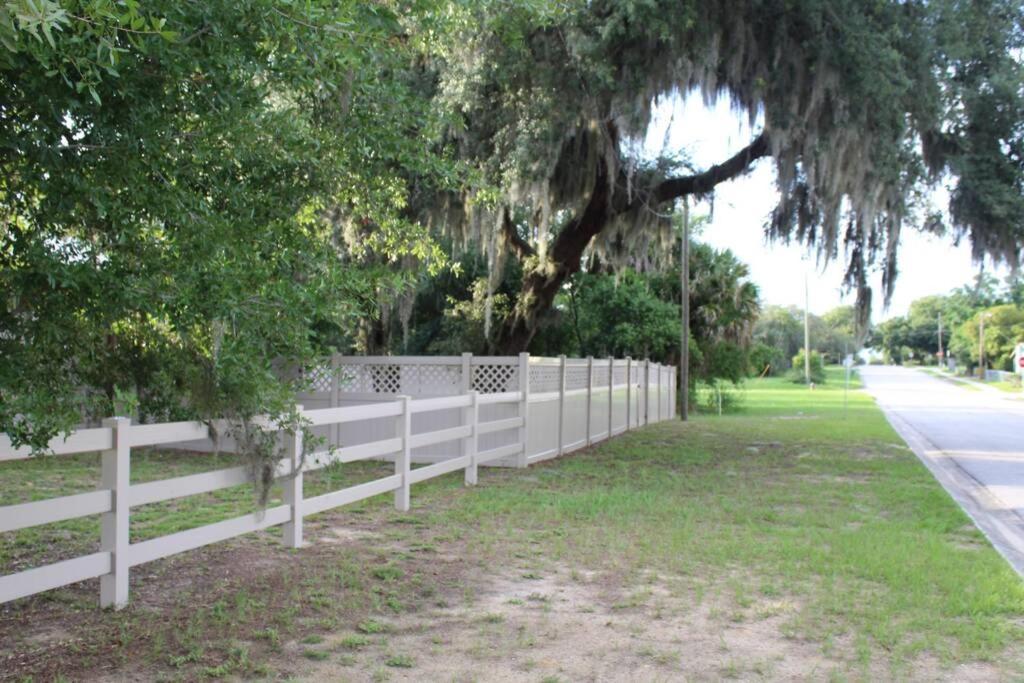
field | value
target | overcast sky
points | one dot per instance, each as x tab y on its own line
927	265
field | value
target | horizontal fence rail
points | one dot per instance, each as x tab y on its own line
505	411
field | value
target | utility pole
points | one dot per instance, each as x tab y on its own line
981	345
942	356
807	334
684	309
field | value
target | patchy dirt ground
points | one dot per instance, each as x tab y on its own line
481	623
573	625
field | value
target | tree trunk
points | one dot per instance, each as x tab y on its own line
542	282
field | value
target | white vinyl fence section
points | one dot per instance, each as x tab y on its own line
467	412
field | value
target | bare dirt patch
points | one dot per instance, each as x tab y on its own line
585	626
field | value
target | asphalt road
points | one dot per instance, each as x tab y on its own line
972	441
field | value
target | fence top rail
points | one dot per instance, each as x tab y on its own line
326	416
504	397
78	441
399	360
423	405
167	432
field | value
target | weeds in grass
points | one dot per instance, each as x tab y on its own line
371	626
400	662
388	572
315	655
354	641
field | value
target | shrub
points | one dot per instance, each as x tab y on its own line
817	368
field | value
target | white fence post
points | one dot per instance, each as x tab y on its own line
661	378
291	531
611	392
116	476
590	395
467	372
470	445
524	407
466	383
629	391
646	391
561	403
335	431
675	393
404	458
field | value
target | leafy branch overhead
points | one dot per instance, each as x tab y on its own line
168	173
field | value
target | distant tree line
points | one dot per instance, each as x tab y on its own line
599	312
914	337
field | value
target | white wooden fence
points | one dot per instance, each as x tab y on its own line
471	411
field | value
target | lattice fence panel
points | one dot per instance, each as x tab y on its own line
371	379
575	377
544	378
418	380
318	378
495	379
619	374
600	373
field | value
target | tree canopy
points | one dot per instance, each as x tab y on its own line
862	107
166	176
195	195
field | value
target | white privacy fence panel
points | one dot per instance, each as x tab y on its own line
443	414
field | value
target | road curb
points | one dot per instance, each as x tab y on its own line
1003	528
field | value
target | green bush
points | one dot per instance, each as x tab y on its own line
817	368
707	396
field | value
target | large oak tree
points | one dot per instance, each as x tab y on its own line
862	107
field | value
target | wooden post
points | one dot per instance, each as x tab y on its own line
611	392
629	391
471	445
590	395
561	404
292	529
404	458
524	407
684	303
116	476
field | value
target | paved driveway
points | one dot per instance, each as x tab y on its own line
972	441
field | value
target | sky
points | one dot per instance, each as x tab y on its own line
927	264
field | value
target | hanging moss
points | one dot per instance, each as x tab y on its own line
855	98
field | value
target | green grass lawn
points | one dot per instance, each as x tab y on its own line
800	494
1010	387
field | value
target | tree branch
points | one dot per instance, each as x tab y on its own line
700	183
520	247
